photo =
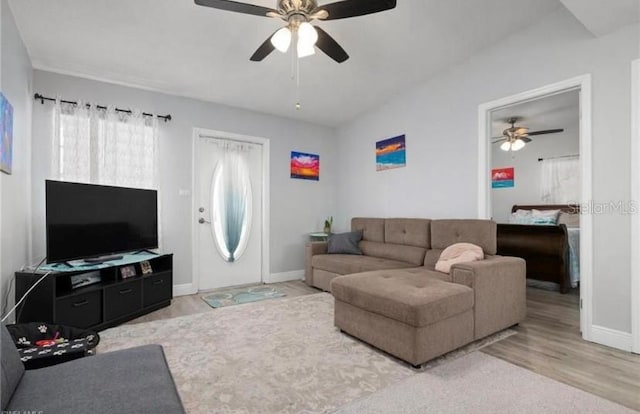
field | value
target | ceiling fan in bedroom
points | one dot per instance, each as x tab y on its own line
515	137
298	15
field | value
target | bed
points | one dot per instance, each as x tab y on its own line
552	252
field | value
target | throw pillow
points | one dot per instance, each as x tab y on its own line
545	217
344	243
520	217
458	253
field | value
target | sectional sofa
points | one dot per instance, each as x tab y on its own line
392	297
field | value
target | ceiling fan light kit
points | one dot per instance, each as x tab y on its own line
515	138
281	39
298	14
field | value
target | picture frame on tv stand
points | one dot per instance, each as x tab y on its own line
127	271
145	266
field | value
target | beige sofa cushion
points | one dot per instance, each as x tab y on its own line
345	264
444	233
372	228
407	297
408	232
408	254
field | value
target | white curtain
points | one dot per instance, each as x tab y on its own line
560	181
109	147
231	201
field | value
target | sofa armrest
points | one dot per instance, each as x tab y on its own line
311	249
500	291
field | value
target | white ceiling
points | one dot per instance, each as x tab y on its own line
553	112
599	21
179	48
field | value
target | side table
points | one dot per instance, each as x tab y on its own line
318	236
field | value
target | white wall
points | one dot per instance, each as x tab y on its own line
297	207
528	169
16	197
440	120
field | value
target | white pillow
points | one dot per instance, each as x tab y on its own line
458	253
520	217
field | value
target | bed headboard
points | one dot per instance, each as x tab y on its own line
565	208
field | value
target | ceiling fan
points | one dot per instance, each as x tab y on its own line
298	14
516	137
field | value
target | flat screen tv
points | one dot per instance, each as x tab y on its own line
86	220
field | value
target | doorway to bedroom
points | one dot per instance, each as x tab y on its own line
535	162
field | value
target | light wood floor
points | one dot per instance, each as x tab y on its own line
548	342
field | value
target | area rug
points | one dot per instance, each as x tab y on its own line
480	383
281	356
239	296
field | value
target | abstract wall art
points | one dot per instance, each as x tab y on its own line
391	153
6	137
502	177
305	166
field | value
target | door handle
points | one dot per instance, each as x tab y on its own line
125	291
158	282
201	220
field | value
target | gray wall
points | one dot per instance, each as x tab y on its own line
297	207
16	198
440	120
528	170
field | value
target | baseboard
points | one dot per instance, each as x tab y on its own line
611	337
284	276
183	290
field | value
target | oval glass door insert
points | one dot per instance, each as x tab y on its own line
231	205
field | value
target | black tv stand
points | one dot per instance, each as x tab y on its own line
102	259
111	301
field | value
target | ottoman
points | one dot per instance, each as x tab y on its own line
405	313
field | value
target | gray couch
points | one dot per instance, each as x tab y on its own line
135	380
392	297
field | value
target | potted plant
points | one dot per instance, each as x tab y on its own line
327	225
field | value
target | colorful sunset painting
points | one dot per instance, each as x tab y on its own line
305	166
6	134
502	177
391	153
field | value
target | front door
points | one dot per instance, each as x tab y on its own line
229	202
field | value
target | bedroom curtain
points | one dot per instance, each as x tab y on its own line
105	146
560	181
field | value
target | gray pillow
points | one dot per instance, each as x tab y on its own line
344	243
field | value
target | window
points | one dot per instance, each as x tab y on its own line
105	147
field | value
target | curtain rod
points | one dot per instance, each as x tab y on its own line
561	156
41	98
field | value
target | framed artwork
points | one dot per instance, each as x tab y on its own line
146	267
391	153
127	271
502	178
6	137
305	166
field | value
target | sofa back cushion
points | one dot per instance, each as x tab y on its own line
12	367
408	232
401	253
372	228
483	233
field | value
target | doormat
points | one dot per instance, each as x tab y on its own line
240	296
